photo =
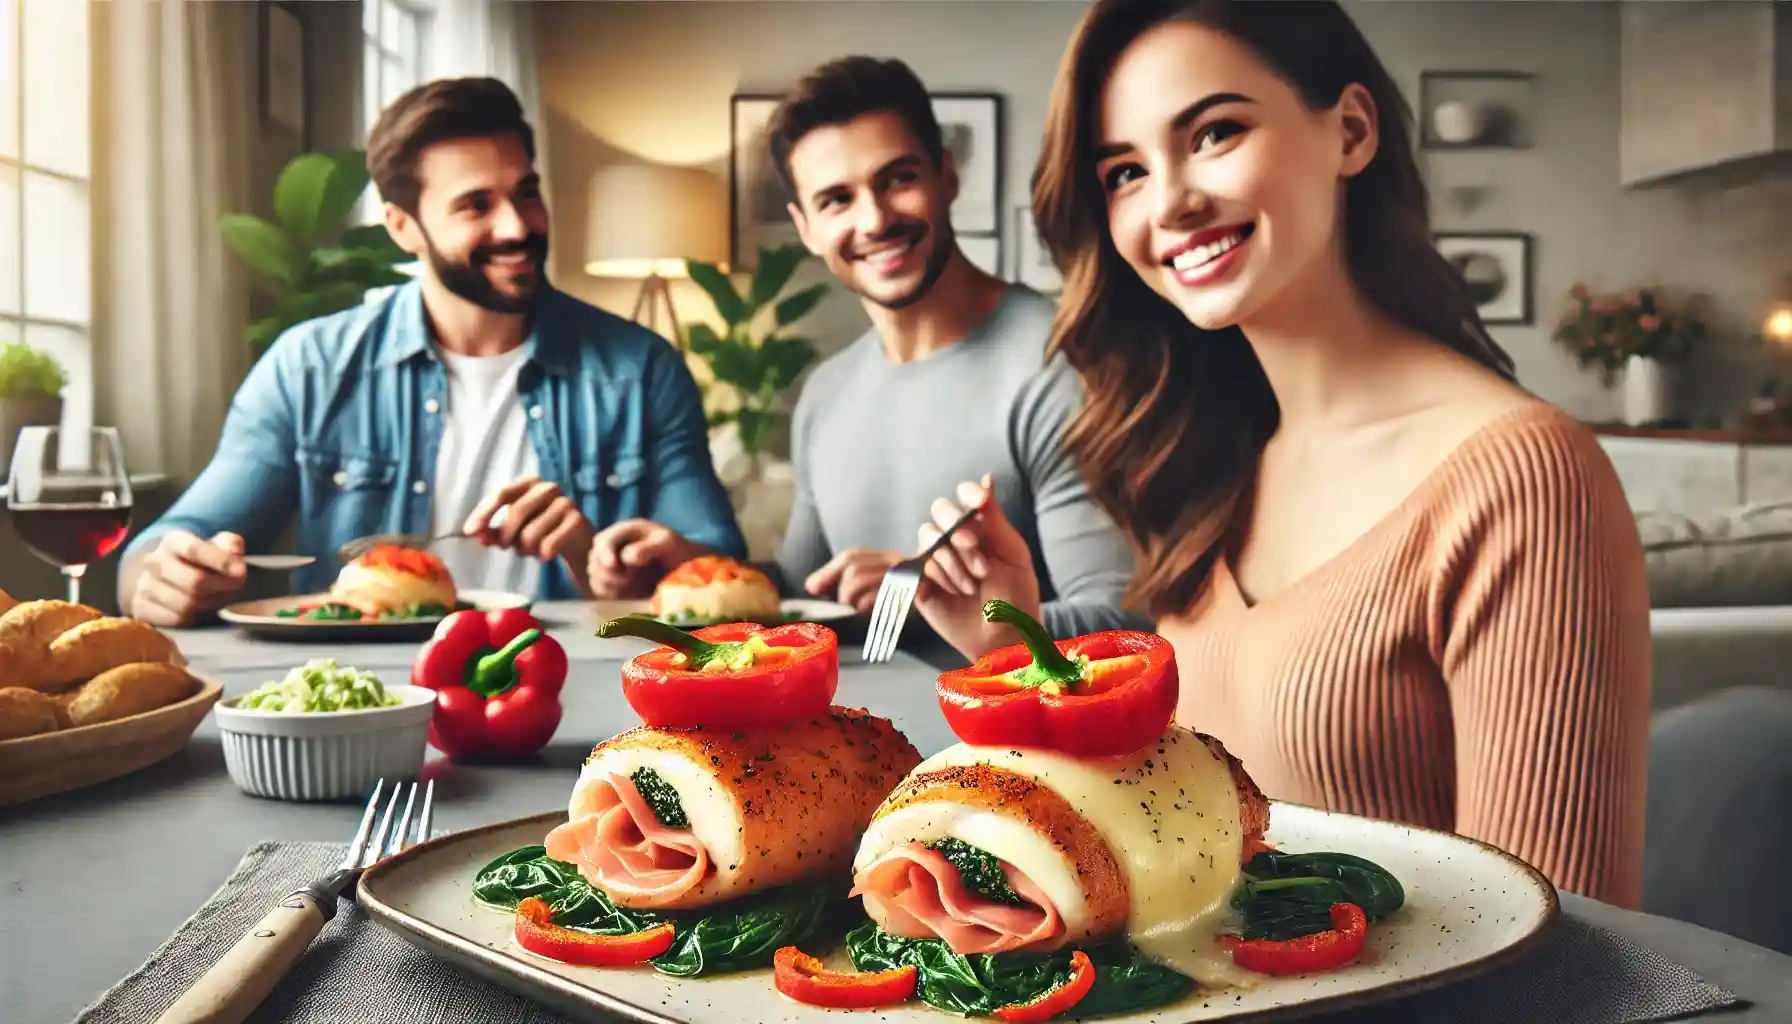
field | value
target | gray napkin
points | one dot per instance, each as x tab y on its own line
359	972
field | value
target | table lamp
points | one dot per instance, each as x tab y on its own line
645	220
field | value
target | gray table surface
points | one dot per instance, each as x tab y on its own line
153	846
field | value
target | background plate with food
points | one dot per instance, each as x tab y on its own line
280	618
797	609
712	589
388	593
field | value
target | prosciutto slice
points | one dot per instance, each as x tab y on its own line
619	845
916	893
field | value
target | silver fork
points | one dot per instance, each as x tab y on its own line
353	549
896	594
244	976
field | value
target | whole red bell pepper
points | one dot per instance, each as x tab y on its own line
497	679
1105	694
736	675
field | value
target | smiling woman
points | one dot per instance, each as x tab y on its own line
1397	584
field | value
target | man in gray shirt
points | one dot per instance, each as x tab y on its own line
950	384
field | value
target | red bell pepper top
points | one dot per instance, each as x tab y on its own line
1105	694
737	675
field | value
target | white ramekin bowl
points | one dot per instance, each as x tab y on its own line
325	755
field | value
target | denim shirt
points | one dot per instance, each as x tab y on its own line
341	419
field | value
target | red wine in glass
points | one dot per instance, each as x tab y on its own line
70	497
72	534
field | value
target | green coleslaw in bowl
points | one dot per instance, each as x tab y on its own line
320	685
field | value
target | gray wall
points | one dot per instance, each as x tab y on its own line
624	81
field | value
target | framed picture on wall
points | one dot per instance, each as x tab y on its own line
757	196
972	126
1033	266
1497	267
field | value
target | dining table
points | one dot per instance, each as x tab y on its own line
94	880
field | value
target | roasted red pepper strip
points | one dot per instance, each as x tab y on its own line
1321	951
1104	694
497	679
537	933
738	675
803	978
1054	1000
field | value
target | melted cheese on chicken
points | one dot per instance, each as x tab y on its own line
1169	814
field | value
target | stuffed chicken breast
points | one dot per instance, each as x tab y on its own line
682	818
995	850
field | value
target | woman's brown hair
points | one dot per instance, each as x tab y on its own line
1177	416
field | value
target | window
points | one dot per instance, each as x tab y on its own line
46	163
394	39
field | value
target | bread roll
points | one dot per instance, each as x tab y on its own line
26	712
26	631
100	644
128	690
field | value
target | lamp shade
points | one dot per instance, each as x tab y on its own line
647	219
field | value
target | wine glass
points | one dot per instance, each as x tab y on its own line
70	496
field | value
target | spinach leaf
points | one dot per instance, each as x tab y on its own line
744	933
977	984
519	874
1288	895
978	870
733	936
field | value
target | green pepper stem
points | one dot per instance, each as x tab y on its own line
496	672
1050	662
659	632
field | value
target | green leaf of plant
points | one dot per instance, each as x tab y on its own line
785	359
773	272
738	366
720	290
322	301
316	191
797	306
264	332
376	239
702	339
265	248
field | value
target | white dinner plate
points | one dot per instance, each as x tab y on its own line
796	609
263	618
1469	908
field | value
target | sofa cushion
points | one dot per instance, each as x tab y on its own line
1723	558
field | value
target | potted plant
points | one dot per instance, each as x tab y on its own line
306	261
751	362
31	383
1641	333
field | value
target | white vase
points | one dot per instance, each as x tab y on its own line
1648	392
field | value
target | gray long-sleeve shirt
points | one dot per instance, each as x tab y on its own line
875	442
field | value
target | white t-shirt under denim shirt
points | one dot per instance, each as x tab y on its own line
485	445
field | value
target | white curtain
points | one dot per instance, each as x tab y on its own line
495	38
177	128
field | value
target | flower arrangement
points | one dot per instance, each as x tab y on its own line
1608	331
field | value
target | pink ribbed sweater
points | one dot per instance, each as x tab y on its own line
1478	661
